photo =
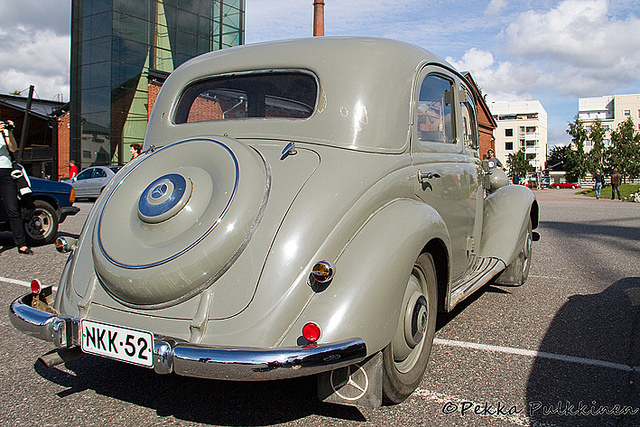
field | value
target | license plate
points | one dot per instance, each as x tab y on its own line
116	342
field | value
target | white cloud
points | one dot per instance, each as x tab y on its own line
500	81
39	58
495	7
580	44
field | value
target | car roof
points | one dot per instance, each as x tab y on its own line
364	100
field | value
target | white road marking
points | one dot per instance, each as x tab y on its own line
534	353
20	282
15	282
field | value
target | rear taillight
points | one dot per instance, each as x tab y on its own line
311	332
72	196
36	286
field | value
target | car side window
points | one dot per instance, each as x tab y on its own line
435	121
469	123
85	174
99	173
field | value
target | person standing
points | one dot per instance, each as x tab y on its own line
8	191
616	180
135	150
599	179
494	162
73	169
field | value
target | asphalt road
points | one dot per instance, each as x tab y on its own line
562	350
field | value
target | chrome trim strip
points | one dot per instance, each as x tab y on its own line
193	360
250	364
62	331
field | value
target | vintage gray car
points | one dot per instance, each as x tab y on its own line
301	207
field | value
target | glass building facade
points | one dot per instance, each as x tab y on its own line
116	45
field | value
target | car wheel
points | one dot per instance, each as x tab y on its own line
518	271
43	226
573	186
405	358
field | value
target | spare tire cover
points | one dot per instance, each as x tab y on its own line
178	219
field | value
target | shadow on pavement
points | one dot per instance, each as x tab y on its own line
584	392
194	399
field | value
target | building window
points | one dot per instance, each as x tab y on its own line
508	146
531	156
627	113
508	132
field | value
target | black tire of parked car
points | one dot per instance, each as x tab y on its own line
405	358
46	232
517	272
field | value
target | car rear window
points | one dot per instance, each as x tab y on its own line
265	95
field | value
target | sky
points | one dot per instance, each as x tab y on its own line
551	51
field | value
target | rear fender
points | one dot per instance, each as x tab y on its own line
363	300
507	212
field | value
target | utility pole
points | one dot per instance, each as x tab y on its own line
318	18
25	125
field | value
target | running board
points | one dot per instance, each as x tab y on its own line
485	270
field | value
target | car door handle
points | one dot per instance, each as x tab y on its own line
422	177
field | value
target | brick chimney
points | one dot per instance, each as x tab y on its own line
318	18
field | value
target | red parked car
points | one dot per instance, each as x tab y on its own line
565	185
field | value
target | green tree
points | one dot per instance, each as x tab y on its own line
576	157
557	159
624	152
596	157
518	164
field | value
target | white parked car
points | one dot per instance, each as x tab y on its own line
90	182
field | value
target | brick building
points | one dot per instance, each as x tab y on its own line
45	153
486	122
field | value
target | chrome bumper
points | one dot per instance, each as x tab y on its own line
240	364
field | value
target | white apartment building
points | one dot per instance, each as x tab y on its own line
611	110
521	125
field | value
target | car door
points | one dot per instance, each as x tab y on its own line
82	183
444	176
468	126
97	182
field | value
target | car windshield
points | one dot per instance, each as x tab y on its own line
264	94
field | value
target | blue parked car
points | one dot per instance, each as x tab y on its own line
53	203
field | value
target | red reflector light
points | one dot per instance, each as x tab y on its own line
35	286
311	332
